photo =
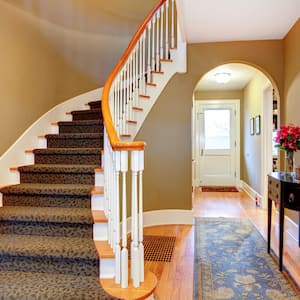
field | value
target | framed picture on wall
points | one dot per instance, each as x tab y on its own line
257	124
252	126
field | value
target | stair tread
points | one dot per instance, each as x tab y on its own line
46	214
80	122
99	216
58	168
83	111
23	285
68	151
75	135
48	189
47	246
104	249
95	102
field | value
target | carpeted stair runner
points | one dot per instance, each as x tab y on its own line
46	225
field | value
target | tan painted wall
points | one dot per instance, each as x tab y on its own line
291	105
54	50
167	130
251	155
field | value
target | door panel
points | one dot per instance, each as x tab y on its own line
217	163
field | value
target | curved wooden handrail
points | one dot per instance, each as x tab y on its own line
110	128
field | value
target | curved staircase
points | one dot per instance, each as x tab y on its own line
46	222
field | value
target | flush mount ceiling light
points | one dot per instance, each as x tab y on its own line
222	77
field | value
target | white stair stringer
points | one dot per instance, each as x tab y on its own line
177	64
16	156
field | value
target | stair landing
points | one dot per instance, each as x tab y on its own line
145	290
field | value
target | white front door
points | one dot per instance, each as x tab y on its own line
218	142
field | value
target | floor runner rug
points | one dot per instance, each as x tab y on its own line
231	262
219	189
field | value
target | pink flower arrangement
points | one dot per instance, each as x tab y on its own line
288	138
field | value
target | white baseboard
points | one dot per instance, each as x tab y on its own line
291	229
165	217
254	195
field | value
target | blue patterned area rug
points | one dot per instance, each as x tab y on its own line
231	262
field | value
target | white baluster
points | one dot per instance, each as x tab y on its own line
141	225
161	33
135	268
157	56
149	53
106	167
140	70
153	43
173	25
124	252
143	66
167	30
117	248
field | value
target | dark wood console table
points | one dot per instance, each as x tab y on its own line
284	190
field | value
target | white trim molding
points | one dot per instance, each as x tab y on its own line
290	227
165	217
255	196
16	156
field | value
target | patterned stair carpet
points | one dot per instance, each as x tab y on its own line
46	226
231	262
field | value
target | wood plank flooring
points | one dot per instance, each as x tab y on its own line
175	279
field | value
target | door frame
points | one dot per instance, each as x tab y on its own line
266	142
196	135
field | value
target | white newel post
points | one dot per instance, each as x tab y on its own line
135	254
124	252
117	160
141	225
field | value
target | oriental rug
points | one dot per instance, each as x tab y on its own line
231	262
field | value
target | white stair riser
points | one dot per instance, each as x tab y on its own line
42	143
54	129
100	231
107	268
99	179
97	202
29	158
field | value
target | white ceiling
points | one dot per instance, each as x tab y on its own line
240	76
236	20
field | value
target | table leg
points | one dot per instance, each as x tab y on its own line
299	230
281	226
269	223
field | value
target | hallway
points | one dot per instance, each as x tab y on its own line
175	279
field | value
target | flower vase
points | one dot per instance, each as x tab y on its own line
289	161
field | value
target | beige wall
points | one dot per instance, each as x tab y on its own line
54	50
251	153
291	103
167	129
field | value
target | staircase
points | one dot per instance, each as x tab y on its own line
46	222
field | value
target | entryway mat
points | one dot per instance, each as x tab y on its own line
219	189
157	248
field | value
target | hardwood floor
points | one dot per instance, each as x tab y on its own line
175	279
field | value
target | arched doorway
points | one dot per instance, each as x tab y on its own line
247	154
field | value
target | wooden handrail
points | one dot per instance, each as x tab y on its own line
116	144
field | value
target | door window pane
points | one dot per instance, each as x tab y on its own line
217	129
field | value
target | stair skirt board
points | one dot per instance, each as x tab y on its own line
14	156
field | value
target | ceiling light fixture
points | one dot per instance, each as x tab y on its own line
222	77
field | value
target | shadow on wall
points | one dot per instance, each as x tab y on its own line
89	35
